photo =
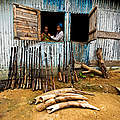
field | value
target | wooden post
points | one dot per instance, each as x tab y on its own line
39	26
67	33
14	13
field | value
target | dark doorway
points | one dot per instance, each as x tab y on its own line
51	19
79	27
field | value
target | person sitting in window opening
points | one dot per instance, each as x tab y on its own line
45	36
59	36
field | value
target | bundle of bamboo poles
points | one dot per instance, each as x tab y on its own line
28	71
62	98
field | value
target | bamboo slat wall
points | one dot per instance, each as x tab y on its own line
108	21
81	51
72	6
107	4
80	6
6	19
111	51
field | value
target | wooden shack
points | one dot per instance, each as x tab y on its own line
90	24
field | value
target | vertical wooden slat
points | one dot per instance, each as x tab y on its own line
1	32
4	34
52	54
62	52
56	53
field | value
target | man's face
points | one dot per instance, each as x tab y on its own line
58	28
46	29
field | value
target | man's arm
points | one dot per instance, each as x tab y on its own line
58	37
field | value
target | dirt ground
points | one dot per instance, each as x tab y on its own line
14	103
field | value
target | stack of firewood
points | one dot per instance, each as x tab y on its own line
62	98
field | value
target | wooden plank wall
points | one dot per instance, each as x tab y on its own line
25	23
93	24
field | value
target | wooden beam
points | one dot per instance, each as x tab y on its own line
27	31
22	34
25	23
93	24
25	7
39	26
109	63
108	35
14	15
92	11
27	18
92	31
26	27
34	30
26	14
92	36
26	11
28	38
91	69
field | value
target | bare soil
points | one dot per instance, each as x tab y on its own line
14	104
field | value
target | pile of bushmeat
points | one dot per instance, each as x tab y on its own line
62	98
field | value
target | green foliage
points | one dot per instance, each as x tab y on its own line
92	75
81	75
84	76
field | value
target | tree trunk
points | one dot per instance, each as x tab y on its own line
101	63
91	69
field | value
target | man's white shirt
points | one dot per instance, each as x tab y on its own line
58	37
